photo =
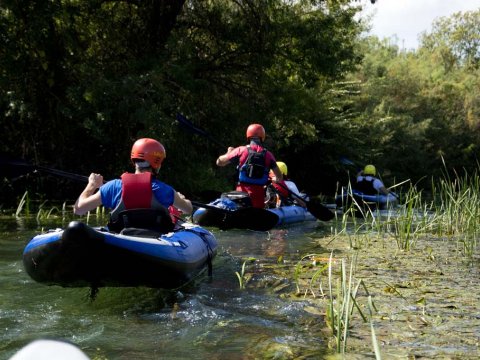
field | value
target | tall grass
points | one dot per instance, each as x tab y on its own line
342	301
342	294
415	219
458	209
24	202
452	213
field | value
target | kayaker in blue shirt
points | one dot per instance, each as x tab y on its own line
134	191
368	184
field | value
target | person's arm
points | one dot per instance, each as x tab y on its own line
278	174
294	189
181	203
89	199
224	160
381	187
383	190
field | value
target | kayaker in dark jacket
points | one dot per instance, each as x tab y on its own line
368	184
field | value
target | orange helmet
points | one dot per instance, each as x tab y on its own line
149	150
256	130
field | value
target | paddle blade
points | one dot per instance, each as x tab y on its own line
252	219
320	211
14	168
346	161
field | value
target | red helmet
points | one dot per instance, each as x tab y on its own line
256	130
149	150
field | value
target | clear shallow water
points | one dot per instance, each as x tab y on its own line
427	301
211	318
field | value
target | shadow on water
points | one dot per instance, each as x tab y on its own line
209	318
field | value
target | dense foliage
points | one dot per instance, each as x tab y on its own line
81	80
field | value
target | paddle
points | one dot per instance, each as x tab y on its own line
321	212
29	168
187	125
250	218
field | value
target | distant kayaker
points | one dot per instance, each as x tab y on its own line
368	184
254	163
284	188
140	190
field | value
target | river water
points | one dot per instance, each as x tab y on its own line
211	318
427	300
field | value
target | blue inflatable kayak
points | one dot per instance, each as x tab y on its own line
292	214
81	255
353	197
286	214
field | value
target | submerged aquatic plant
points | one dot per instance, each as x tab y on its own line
43	214
242	276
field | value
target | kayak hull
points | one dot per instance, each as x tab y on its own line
81	256
292	214
286	215
356	199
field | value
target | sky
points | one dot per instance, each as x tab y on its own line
408	18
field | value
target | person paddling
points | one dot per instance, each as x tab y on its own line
140	190
284	188
368	184
254	163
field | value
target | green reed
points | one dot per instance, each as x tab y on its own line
24	203
376	347
342	301
342	294
453	213
458	208
243	276
414	220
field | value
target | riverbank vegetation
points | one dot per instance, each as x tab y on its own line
388	277
80	81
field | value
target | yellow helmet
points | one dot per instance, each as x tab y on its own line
369	170
283	167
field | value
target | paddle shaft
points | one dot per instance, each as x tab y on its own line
318	210
39	168
186	123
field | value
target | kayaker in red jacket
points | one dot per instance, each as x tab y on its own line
254	163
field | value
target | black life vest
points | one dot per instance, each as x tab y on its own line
254	170
366	186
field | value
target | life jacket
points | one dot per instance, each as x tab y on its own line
138	207
366	186
254	170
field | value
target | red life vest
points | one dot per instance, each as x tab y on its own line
137	191
138	206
